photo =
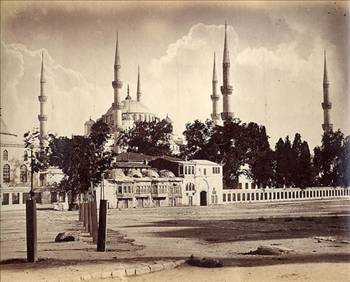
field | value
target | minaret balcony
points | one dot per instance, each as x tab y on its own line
117	84
42	99
42	117
214	97
226	89
326	106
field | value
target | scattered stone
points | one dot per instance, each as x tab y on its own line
130	271
64	237
142	270
269	251
204	262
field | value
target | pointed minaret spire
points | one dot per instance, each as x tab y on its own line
117	85
325	72
128	97
326	105
226	88
116	57
138	92
215	116
42	99
226	56
214	69
42	73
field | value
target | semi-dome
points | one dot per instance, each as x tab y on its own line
132	106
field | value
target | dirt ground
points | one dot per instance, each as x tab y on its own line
319	272
315	233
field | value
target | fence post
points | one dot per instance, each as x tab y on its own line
101	240
31	228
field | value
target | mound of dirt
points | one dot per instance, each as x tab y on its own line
269	251
204	262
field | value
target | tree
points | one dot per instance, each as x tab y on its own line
151	138
83	160
197	135
283	159
41	152
232	145
328	159
345	162
260	157
300	163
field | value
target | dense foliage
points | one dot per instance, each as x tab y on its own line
244	149
150	138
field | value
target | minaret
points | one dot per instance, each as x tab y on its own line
128	97
326	105
215	116
117	84
138	92
42	99
226	88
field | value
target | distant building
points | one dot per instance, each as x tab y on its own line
124	113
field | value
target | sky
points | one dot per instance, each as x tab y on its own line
276	51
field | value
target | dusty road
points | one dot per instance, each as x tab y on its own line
316	234
313	272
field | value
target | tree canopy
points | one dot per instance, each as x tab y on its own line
148	137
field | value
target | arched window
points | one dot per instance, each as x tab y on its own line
23	173
5	155
6	173
25	156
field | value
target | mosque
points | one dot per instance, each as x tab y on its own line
123	114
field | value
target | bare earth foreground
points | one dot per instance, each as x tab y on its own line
315	235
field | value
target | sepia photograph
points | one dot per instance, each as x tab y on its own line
175	141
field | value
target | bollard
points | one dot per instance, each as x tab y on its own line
90	218
101	239
94	221
32	251
85	216
79	211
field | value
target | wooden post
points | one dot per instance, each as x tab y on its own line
31	224
90	218
94	221
86	216
101	240
80	214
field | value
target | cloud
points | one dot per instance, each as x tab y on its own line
71	98
280	87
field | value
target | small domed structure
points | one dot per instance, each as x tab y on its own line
87	126
151	173
166	173
135	173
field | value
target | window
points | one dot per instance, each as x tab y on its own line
253	185
246	185
23	173
120	189
5	199
229	197
205	171
53	197
15	198
234	197
25	156
240	185
238	197
192	170
5	155
224	197
186	170
248	197
6	173
216	170
181	170
243	197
